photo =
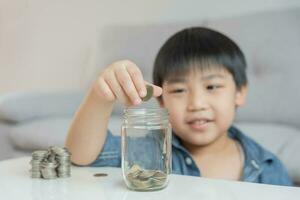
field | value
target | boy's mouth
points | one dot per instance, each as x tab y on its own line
198	124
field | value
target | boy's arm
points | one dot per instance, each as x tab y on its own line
87	133
122	81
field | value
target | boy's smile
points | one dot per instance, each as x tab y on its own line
202	105
198	122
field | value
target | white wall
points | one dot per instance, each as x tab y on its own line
51	44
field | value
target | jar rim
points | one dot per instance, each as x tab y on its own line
146	111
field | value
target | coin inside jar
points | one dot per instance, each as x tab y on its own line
149	93
144	180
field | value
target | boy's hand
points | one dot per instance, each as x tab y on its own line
124	81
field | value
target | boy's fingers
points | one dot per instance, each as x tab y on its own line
104	90
113	83
126	83
137	78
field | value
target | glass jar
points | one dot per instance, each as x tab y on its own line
146	148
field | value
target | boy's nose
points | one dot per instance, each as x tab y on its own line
197	102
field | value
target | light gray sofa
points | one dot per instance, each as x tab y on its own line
271	42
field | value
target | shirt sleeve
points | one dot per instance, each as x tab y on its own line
110	156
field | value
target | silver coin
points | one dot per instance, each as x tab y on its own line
149	93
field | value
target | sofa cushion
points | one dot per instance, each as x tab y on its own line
21	106
40	134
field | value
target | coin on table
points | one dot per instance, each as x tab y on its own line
100	174
149	93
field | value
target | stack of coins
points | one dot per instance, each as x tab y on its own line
37	158
51	163
63	158
145	180
48	169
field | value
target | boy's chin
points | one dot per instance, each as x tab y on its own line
198	141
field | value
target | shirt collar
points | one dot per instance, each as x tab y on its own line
255	155
251	149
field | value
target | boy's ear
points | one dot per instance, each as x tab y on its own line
240	96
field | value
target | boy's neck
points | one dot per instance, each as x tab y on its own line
219	146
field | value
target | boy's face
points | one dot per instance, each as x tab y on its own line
201	104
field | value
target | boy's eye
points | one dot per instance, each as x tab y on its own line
177	90
213	87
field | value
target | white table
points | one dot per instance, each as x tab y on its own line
15	183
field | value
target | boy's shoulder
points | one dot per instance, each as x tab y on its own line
261	165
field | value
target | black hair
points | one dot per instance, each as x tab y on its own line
202	48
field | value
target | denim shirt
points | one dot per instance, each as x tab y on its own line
260	165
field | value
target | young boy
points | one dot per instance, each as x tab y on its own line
199	76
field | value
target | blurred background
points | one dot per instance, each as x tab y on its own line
54	44
51	50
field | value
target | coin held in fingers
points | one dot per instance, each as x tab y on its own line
149	93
